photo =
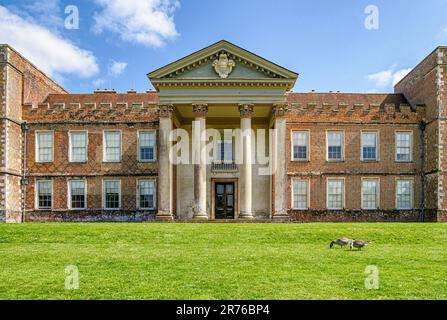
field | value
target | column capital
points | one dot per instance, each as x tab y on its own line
246	110
280	110
200	110
165	110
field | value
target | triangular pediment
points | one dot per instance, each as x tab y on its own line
220	61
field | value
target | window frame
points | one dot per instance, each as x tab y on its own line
70	145
342	132
138	194
411	193
153	131
307	132
293	193
376	132
69	205
37	156
104	194
104	146
411	145
377	193
343	198
217	155
36	194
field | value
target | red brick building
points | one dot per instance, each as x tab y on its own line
108	156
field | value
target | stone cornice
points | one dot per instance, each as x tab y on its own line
287	84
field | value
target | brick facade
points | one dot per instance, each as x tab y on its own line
29	97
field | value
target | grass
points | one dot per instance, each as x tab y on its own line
221	261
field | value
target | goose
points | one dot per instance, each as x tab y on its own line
341	242
359	244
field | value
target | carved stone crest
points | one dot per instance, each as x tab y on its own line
223	66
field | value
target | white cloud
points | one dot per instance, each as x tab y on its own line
117	68
148	22
388	78
98	83
47	50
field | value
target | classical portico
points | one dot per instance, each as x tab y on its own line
223	88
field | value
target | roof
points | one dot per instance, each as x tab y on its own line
348	98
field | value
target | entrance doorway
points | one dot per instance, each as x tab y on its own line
224	202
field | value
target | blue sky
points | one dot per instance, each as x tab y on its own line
326	42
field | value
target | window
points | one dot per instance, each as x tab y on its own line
44	146
300	194
404	194
335	194
112	194
147	145
78	146
404	146
44	194
146	194
77	194
224	150
112	146
370	194
369	146
300	140
334	146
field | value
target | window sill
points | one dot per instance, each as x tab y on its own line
298	160
147	161
335	161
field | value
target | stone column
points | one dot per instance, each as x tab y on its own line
246	212
165	172
199	160
280	174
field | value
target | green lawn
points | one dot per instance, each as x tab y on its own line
221	261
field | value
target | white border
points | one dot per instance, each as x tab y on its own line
70	155
104	158
69	194
104	195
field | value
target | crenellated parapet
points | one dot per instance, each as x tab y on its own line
97	107
322	107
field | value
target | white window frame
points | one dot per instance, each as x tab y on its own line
307	195
138	194
376	132
377	193
104	147
70	145
342	132
37	132
139	147
343	198
411	144
104	194
36	195
307	132
411	193
69	194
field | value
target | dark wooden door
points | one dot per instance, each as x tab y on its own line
224	200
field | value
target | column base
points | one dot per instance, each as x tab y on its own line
281	216
164	217
246	215
200	216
